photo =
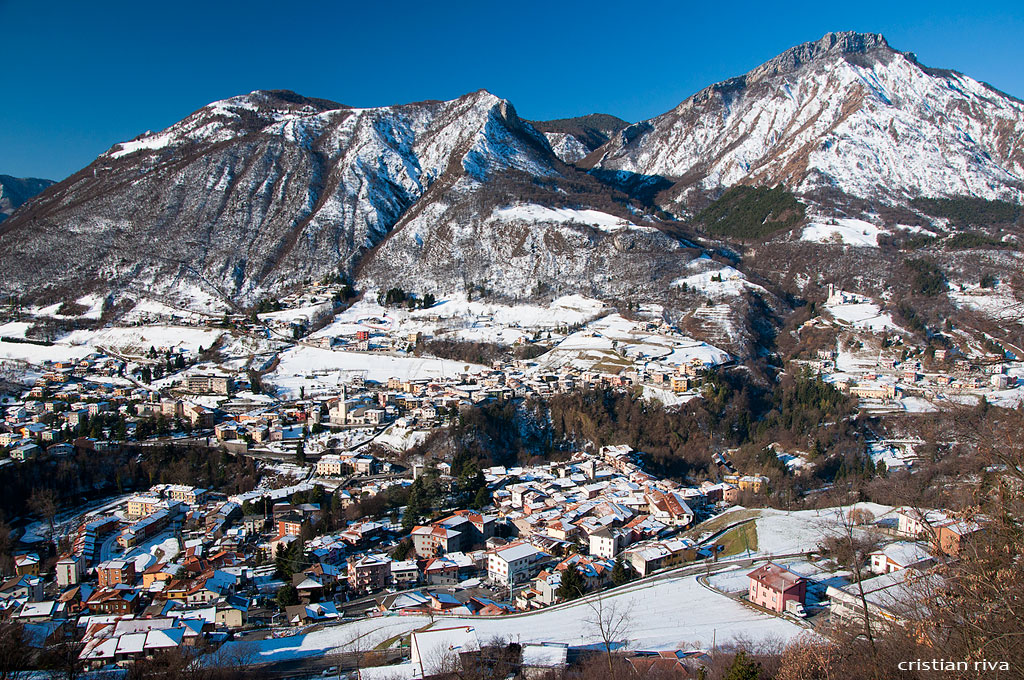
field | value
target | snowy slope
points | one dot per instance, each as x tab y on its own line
474	239
566	146
260	191
846	112
667	614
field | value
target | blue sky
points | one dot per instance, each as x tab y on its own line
79	77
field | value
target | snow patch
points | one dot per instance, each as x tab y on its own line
538	213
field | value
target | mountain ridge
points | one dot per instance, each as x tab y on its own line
15	191
297	187
255	193
782	121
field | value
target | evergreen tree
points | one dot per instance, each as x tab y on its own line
743	668
572	586
414	507
287	596
402	550
620	574
300	452
482	498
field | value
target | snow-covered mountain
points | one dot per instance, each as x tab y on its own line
846	113
475	238
572	139
254	194
14	191
257	191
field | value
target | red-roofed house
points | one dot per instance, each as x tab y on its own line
772	585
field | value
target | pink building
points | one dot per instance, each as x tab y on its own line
772	586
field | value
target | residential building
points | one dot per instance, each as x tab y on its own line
514	563
113	572
209	384
669	508
70	571
609	541
897	556
772	586
369	573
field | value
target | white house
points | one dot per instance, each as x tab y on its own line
513	563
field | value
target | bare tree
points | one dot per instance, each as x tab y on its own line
62	661
15	655
612	621
852	549
43	503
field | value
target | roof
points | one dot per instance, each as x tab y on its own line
132	643
162	639
776	577
898	591
904	553
36	609
516	551
670	502
545	655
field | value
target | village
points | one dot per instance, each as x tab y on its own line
327	413
178	567
182	568
900	376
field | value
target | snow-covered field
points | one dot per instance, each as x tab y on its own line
998	303
666	396
93	308
917	405
306	314
14	329
847	231
715	280
782	532
468	320
616	341
400	438
188	310
135	340
320	370
537	213
859	312
662	614
138	339
37	354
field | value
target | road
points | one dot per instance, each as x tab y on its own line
339	663
107	547
309	666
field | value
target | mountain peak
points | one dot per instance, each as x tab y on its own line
285	101
830	45
844	114
846	41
